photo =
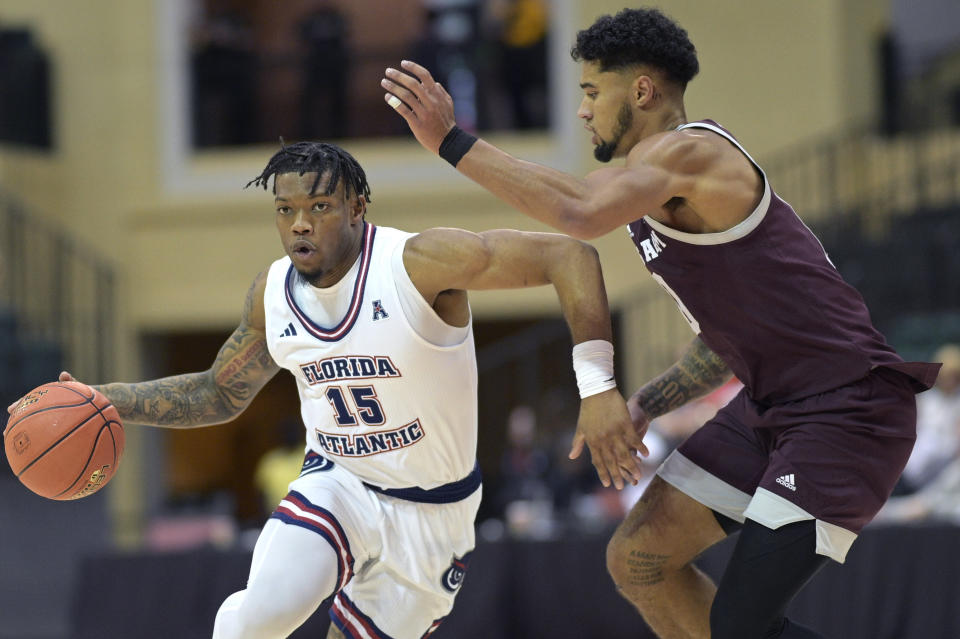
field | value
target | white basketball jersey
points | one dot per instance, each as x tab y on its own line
377	398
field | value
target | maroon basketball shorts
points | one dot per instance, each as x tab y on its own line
832	457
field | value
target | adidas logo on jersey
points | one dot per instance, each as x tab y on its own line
289	331
787	481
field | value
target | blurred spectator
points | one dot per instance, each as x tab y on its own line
938	424
580	503
326	71
938	500
448	48
930	486
569	479
523	58
224	80
525	498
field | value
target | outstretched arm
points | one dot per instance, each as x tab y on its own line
443	260
584	208
242	367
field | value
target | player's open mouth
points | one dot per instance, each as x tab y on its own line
302	248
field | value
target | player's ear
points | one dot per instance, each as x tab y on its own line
358	207
643	90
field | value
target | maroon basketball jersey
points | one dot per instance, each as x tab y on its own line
765	298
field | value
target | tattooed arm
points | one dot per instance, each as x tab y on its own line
697	372
242	367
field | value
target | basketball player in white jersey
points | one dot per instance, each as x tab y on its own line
375	326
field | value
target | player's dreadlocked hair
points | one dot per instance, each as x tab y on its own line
319	157
638	36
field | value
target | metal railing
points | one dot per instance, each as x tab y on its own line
58	297
868	178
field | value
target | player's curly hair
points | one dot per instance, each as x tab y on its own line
319	157
638	36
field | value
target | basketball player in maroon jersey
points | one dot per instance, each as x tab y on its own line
807	453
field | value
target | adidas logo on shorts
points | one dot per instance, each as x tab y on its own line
787	481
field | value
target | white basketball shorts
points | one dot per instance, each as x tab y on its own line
401	560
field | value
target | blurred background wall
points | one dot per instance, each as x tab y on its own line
129	130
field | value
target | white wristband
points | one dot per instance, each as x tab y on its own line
593	365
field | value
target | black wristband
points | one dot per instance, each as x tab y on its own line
456	144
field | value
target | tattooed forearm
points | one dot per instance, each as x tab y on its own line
182	400
217	395
698	372
239	355
646	569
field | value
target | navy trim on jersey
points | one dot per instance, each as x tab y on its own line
446	494
341	329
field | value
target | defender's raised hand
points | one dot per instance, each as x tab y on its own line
422	101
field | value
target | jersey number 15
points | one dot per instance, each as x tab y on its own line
365	405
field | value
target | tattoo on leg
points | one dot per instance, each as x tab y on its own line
646	569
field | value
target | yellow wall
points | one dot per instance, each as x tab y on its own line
104	95
775	73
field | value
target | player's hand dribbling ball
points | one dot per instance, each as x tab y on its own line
63	440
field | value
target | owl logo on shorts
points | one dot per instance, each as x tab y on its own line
313	463
453	577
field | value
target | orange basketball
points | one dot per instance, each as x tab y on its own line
64	440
